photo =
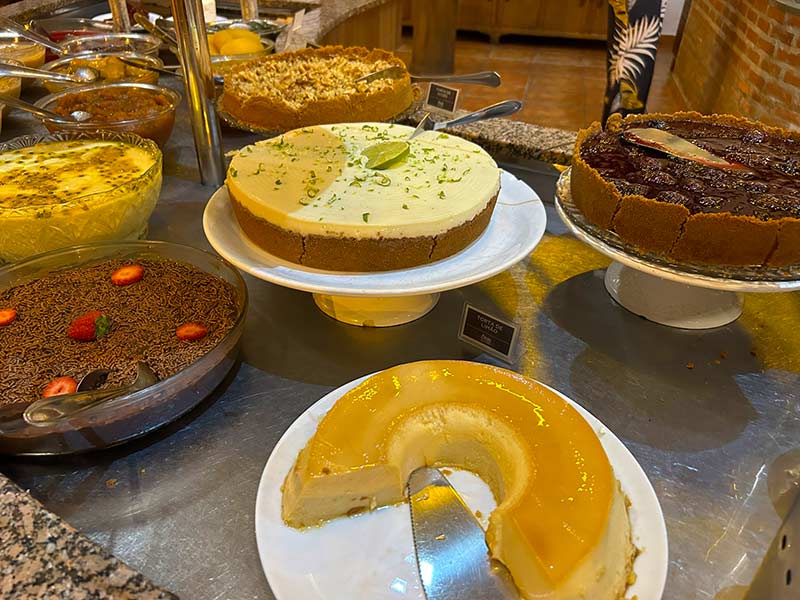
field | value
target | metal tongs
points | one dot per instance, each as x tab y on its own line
490	78
49	411
501	109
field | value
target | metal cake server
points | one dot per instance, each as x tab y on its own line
501	109
450	545
489	78
47	411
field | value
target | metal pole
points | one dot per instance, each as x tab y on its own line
190	29
120	18
249	9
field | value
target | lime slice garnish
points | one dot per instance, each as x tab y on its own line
380	156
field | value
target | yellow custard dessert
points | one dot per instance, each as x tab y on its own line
55	194
308	196
561	524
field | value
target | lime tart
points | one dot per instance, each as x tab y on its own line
359	197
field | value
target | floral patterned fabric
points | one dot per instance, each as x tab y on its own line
634	28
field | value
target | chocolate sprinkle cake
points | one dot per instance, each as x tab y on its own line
35	347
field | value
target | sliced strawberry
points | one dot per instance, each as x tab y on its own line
191	331
127	275
89	326
7	316
60	385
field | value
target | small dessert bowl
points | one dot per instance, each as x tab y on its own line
140	43
144	109
110	65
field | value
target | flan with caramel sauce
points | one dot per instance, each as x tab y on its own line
55	194
308	197
561	524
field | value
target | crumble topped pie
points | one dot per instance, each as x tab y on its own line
688	211
315	86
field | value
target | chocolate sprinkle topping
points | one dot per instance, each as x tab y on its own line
35	349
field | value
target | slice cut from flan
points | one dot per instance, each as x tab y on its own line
561	524
309	197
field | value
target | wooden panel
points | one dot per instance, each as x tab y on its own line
378	27
563	18
476	15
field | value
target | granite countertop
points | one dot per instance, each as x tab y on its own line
42	556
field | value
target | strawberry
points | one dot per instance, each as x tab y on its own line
60	385
89	326
127	275
191	331
7	316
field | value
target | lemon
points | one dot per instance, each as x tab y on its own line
242	45
384	154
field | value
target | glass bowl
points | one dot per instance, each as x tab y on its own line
60	28
221	64
27	53
119	213
140	43
9	86
155	125
135	414
110	67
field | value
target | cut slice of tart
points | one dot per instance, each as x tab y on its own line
561	524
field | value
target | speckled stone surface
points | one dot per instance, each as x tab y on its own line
512	138
43	557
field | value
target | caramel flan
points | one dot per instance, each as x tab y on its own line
561	524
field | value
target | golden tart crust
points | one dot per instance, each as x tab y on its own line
315	86
671	230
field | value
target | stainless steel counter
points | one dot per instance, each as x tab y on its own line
706	413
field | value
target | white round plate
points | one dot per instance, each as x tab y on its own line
516	226
371	556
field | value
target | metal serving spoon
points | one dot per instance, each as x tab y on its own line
490	78
76	116
79	75
148	67
501	109
6	23
48	411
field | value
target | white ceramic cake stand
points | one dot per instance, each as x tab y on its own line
372	555
387	298
688	296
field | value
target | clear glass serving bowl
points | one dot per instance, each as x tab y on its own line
140	43
135	414
156	126
108	65
120	213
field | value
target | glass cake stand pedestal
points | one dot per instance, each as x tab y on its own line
687	296
383	299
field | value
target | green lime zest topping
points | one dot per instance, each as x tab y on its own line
365	217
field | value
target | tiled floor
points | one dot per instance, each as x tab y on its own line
560	82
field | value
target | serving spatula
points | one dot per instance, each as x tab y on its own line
450	545
669	143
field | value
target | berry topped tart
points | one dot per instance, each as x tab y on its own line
713	189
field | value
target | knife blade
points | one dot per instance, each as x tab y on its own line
778	577
488	78
450	545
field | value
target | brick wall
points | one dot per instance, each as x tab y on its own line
741	57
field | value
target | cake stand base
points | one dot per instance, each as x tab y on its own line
376	312
669	302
